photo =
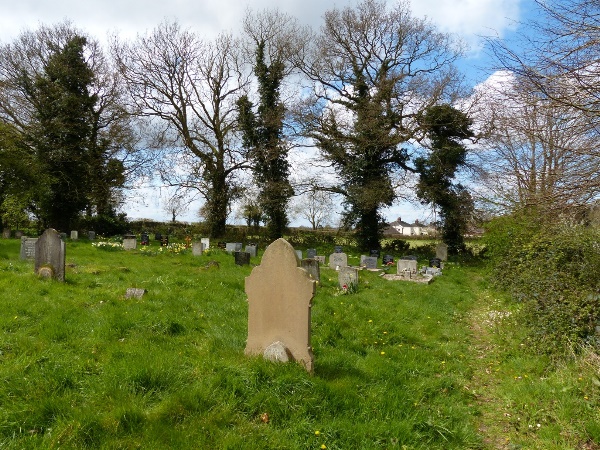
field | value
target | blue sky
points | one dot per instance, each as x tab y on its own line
470	20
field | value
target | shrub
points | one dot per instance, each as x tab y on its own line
554	270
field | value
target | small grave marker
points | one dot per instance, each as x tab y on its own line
50	255
197	248
129	242
74	235
242	258
28	248
348	276
441	252
91	235
6	233
337	260
387	260
311	265
206	242
279	301
370	262
337	249
311	252
252	249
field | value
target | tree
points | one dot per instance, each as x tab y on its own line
190	88
316	206
48	61
539	154
374	72
274	37
175	205
446	128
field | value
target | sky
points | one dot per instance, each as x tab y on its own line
470	20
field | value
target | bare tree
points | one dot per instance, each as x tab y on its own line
540	152
190	87
316	206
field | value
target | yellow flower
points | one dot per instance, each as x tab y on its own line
317	433
383	353
323	446
370	321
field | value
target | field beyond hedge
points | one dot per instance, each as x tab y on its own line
397	365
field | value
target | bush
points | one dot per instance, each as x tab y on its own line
555	272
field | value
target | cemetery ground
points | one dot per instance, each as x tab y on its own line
396	364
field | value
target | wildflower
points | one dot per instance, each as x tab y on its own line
370	321
383	353
323	446
317	433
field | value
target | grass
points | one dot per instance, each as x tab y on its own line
397	365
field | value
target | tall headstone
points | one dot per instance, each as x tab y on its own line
242	258
129	242
91	235
28	247
279	301
441	251
311	265
348	276
197	248
6	233
50	255
74	235
311	252
337	260
206	242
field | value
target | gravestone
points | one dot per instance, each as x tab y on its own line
206	242
232	247
18	234
222	245
6	233
279	301
311	265
311	252
50	255
348	276
435	262
375	253
299	254
164	240
28	247
441	252
144	239
63	236
135	293
337	249
74	235
321	259
406	265
242	258
197	248
387	260
362	259
129	242
337	260
91	235
252	250
157	236
370	262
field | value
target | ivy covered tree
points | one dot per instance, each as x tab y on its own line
446	127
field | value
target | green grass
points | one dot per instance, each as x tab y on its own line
397	365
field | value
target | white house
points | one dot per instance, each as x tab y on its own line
406	229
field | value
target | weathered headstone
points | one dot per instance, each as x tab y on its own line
370	262
279	301
321	259
242	258
222	245
164	240
91	235
435	262
311	265
252	249
129	242
63	236
387	260
406	265
375	253
337	249
348	276
205	242
299	254
337	260
74	235
362	259
157	236
441	251
135	293
28	247
197	248
311	252
18	234
144	239
232	247
50	255
6	233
